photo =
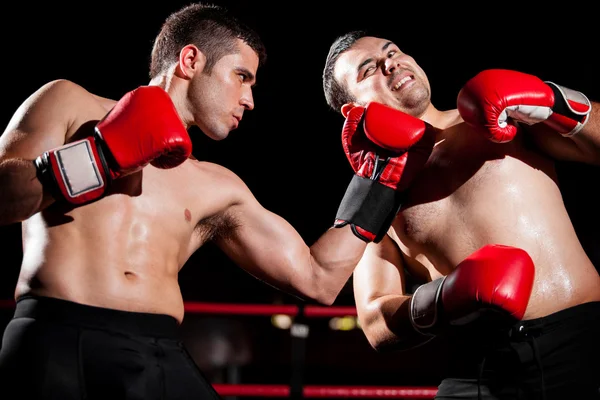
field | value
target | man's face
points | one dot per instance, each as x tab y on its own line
219	99
375	69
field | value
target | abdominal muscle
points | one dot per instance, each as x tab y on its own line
106	257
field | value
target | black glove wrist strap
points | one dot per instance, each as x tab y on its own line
46	176
425	307
369	205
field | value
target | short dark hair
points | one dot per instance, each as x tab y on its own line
337	94
209	27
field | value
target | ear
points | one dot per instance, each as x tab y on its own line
191	61
346	108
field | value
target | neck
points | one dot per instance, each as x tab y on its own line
173	86
441	119
166	79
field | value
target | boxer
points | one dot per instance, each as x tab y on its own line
113	204
481	222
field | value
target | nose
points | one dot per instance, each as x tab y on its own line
247	100
390	65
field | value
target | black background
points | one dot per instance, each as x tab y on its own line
287	150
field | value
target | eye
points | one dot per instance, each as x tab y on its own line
369	70
243	76
391	53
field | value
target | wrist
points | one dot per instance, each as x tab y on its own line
369	207
74	172
570	112
425	307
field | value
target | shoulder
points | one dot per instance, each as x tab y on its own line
48	117
60	96
57	100
218	173
224	180
62	89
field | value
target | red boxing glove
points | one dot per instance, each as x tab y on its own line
494	278
143	127
495	96
386	148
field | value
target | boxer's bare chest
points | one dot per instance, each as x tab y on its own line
467	186
191	199
181	204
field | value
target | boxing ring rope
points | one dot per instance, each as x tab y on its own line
268	309
314	391
297	390
307	391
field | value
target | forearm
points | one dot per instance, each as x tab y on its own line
268	247
588	139
334	255
386	323
22	194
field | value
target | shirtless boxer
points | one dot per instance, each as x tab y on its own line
490	180
112	205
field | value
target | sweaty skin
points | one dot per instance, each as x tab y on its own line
472	192
125	250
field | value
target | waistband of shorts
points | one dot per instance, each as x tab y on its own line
584	314
50	309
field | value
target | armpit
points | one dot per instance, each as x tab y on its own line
216	227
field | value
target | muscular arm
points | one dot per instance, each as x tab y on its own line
40	123
381	299
269	248
583	147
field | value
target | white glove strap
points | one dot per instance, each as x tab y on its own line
78	168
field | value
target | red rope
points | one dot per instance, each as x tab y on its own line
383	392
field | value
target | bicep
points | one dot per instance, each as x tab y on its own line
264	244
40	123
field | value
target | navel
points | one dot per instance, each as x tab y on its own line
188	215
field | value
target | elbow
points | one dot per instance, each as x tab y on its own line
310	292
327	299
382	340
322	297
322	288
374	337
371	324
378	328
327	294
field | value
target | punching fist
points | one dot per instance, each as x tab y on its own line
495	278
143	127
496	98
386	148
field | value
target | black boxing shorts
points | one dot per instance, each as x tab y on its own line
556	357
56	349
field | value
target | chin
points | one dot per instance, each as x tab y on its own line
220	135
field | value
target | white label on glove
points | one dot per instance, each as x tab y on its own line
78	168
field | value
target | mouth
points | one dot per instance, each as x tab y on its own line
236	119
400	80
